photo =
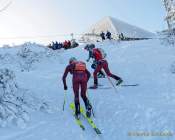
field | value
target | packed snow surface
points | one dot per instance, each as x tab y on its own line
146	110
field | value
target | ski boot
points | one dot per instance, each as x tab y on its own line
119	82
77	112
88	110
93	87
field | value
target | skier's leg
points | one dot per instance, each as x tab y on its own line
85	99
100	73
76	97
98	68
83	92
106	68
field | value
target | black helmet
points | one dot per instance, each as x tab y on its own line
92	46
89	47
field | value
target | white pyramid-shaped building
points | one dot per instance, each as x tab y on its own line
116	27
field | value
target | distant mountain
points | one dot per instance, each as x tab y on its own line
117	27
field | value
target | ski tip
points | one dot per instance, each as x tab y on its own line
97	131
83	128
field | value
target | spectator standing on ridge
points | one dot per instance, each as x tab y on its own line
108	35
56	45
102	36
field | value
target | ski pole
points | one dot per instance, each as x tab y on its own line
110	81
64	102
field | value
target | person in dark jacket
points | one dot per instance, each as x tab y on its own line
56	45
102	36
53	45
89	48
80	78
60	45
108	35
69	44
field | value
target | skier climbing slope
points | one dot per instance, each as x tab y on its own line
80	78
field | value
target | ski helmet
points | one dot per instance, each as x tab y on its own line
72	59
92	46
89	47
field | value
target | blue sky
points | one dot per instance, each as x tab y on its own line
51	17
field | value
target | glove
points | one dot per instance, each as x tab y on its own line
65	87
99	63
93	66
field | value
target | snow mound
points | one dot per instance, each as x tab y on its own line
15	102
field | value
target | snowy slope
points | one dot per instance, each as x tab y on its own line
116	26
148	107
130	30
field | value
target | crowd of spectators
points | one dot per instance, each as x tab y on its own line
67	44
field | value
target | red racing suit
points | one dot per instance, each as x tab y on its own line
79	81
101	63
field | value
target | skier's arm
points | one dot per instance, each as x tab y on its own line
88	57
67	70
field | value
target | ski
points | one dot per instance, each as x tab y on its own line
90	121
108	87
104	87
100	87
131	85
78	121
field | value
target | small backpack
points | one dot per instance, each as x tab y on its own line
102	52
80	66
99	53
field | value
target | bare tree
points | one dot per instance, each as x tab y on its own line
170	9
5	6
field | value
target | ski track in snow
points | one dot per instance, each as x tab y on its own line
148	107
